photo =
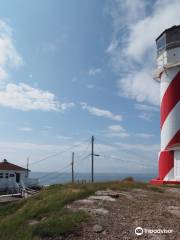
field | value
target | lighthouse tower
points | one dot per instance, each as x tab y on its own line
168	75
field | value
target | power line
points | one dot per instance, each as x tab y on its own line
84	158
80	162
59	153
124	160
62	173
58	171
66	167
86	149
117	146
58	174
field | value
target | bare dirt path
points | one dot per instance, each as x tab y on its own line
118	216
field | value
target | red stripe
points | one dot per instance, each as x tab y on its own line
166	163
175	141
170	98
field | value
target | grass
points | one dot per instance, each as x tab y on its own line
60	225
47	208
9	208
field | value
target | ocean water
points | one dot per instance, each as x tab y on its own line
46	178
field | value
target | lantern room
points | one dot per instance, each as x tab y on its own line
168	47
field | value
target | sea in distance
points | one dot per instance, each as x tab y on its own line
47	178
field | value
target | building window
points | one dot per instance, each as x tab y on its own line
1	175
7	175
11	175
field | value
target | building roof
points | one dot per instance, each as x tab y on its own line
5	165
169	29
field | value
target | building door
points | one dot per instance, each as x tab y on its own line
17	177
177	165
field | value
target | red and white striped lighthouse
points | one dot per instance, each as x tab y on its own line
168	74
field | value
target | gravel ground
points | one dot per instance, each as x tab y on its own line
111	220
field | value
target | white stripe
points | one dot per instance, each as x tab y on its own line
170	126
170	175
166	79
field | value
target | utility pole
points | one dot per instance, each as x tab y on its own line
72	164
27	166
92	158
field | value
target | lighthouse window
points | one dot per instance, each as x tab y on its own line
161	42
1	175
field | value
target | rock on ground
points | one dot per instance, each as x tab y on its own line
133	208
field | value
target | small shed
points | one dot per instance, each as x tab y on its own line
14	178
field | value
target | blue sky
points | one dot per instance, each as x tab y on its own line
72	69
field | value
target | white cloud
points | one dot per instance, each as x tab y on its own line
21	96
94	71
101	112
64	138
116	128
9	57
113	45
64	106
118	134
165	14
132	50
117	131
145	116
144	135
25	97
55	45
147	108
139	147
134	86
25	129
90	86
17	153
146	111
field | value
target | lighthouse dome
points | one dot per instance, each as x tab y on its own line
168	48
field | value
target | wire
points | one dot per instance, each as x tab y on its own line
66	165
86	149
83	158
125	160
56	154
117	146
46	175
59	172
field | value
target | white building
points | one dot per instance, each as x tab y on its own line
14	178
